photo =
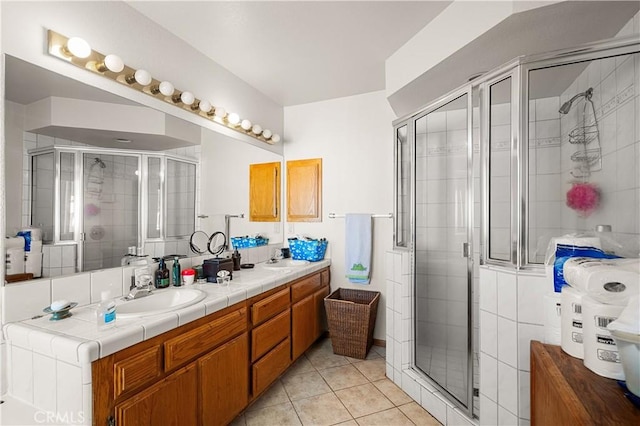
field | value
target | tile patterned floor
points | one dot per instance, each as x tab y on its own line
322	388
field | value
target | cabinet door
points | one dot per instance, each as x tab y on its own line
224	381
303	325
172	401
304	190
264	192
320	315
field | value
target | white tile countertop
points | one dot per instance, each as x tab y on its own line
79	341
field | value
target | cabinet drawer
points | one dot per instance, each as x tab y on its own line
305	287
269	334
269	306
136	371
271	366
204	338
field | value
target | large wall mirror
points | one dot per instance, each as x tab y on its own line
99	174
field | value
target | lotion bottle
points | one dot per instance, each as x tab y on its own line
176	272
106	311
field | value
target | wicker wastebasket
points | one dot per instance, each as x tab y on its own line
351	315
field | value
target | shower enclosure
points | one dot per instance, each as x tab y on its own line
103	202
486	173
434	146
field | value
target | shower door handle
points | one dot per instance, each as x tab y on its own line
465	250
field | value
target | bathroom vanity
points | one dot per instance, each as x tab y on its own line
204	370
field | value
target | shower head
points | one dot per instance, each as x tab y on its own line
100	162
564	109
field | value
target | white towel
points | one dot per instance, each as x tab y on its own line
358	248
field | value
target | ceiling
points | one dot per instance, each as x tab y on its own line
297	52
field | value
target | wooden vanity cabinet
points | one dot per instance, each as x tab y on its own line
172	401
224	382
264	192
270	338
195	374
206	372
307	311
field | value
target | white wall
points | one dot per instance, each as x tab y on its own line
224	175
353	136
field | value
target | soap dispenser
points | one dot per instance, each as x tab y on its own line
175	272
162	275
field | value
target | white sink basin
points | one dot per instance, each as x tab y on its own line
286	264
160	302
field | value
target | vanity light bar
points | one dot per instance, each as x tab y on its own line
78	52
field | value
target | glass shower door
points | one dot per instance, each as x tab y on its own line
442	232
110	213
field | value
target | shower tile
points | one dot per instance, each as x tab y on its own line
627	168
524	409
488	290
55	257
501	114
506	418
507	342
547	108
489	376
626	211
531	291
527	333
506	292
489	333
548	129
69	256
488	410
625	74
625	122
508	387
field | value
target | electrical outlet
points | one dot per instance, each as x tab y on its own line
276	227
292	229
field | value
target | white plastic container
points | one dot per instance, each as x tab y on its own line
106	311
626	332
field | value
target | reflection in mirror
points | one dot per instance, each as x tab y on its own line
102	174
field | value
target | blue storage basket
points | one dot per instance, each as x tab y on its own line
247	242
312	250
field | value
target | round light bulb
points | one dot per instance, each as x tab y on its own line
256	129
246	125
113	63
142	77
205	106
166	88
187	98
78	47
220	112
233	118
275	138
267	133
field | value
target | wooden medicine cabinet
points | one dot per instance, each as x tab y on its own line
264	192
304	190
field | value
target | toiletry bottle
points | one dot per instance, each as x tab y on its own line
176	272
106	311
236	260
162	275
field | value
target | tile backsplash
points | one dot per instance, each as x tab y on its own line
26	299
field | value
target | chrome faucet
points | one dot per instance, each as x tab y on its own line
144	288
227	231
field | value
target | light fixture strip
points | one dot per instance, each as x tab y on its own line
95	62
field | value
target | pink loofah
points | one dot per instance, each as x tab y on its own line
584	198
